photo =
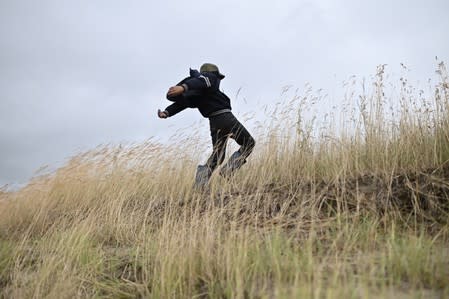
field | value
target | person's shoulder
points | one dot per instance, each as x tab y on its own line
194	73
183	81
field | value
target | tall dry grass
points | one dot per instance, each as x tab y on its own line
353	204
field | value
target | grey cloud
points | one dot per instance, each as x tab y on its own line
74	74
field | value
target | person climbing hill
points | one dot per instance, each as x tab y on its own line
201	90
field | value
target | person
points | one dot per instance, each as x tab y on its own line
201	90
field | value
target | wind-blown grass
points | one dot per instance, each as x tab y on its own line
353	206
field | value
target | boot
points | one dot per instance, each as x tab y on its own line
235	162
203	174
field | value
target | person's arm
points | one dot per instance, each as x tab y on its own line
176	107
173	109
174	94
197	82
175	91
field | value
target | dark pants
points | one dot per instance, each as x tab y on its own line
222	127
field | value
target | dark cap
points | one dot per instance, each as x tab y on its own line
209	67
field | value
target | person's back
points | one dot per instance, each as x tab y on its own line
201	90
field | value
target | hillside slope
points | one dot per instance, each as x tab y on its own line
331	210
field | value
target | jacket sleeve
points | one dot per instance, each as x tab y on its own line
176	107
201	81
176	98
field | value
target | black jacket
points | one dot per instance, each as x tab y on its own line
202	92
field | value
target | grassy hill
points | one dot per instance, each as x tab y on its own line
355	208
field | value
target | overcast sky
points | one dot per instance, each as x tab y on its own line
76	74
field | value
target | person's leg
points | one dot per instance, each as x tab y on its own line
219	140
243	138
241	135
204	172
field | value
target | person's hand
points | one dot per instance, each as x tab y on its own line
162	114
175	91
